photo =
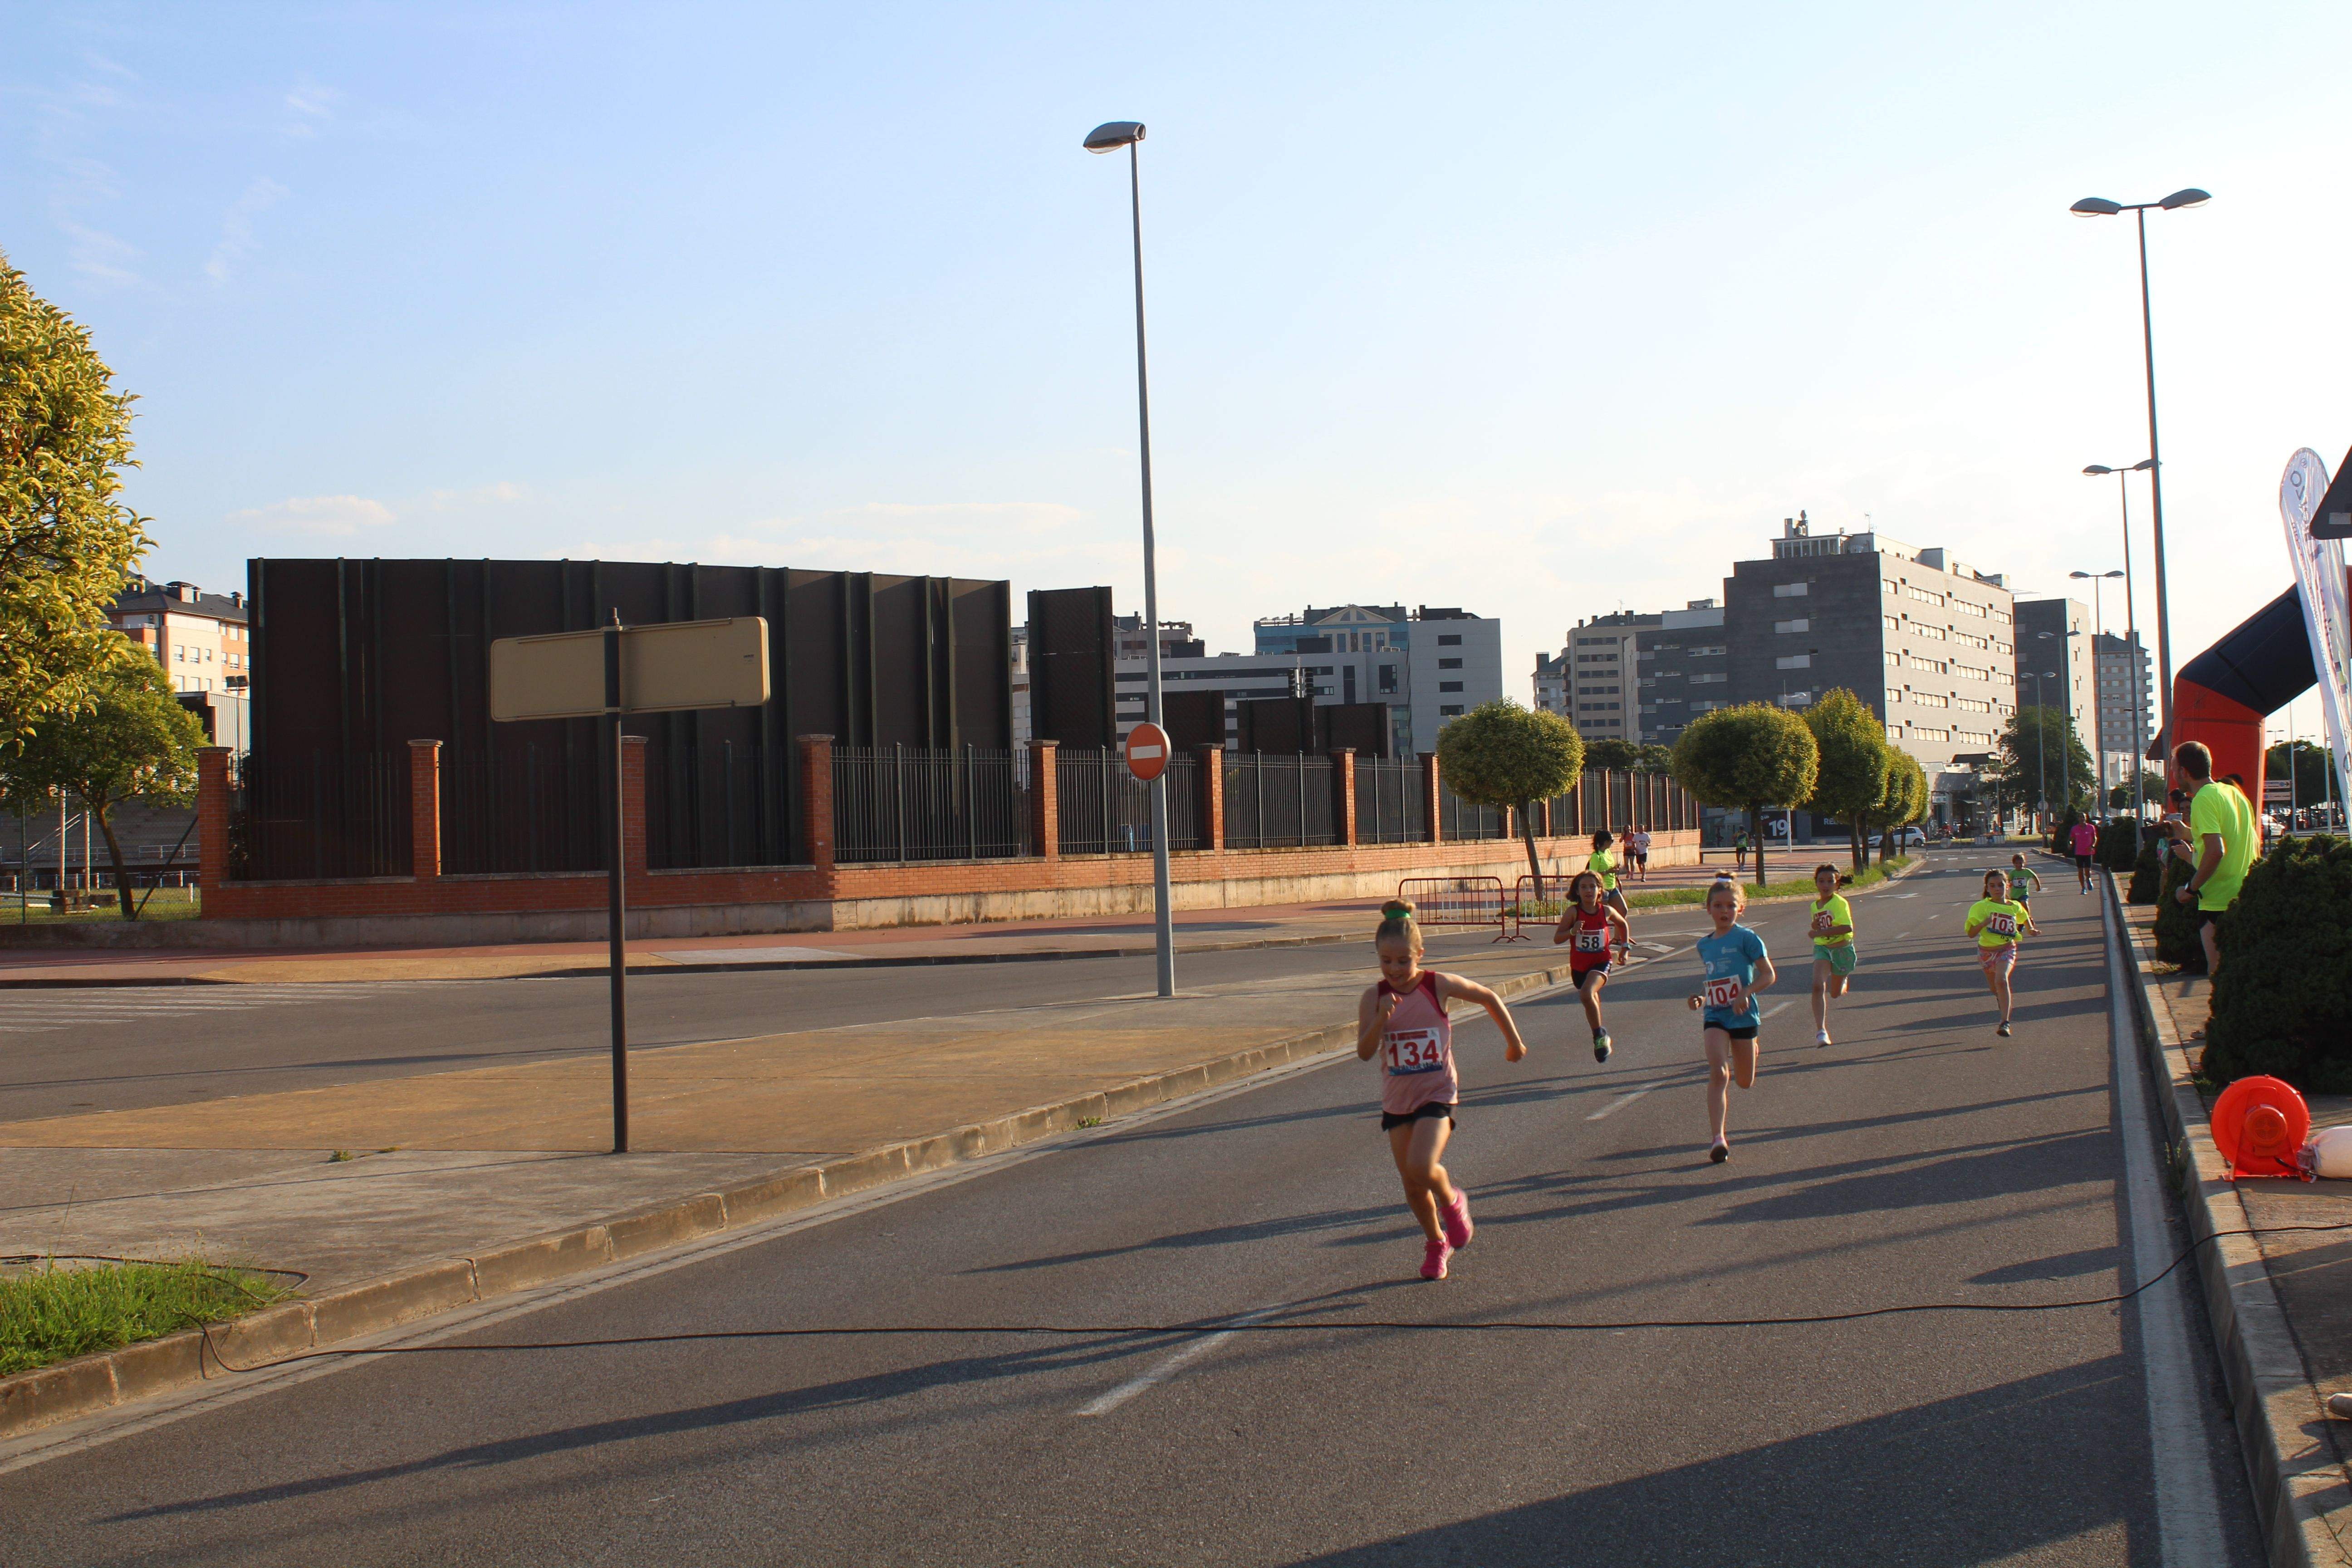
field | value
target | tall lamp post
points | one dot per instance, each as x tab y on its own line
2131	634
2041	742
2098	630
1109	138
2099	207
2064	640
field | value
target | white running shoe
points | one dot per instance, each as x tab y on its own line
1821	1037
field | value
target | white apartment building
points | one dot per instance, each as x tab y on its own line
200	639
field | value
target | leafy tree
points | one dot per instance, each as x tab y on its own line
1748	757
1616	756
66	540
2152	788
2023	771
2315	771
2283	1003
134	738
1855	762
1655	759
1502	754
1903	802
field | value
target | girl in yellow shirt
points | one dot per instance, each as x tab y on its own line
1997	922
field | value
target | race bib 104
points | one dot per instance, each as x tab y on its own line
1414	1050
1722	993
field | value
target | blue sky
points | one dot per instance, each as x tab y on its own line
1540	310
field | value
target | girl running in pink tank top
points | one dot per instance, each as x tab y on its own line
1402	1021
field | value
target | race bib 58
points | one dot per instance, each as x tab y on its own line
1592	942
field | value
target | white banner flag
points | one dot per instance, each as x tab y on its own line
2327	602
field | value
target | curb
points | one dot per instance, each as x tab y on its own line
90	1384
2281	1429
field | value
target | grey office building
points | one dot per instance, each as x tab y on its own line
1638	678
2055	663
1926	640
2127	706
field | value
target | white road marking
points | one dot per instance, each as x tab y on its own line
1151	1378
2187	1504
1622	1102
1778	1007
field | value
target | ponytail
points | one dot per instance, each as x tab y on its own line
1397	922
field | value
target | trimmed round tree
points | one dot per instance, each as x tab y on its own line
1501	754
1748	757
1856	760
133	741
1905	801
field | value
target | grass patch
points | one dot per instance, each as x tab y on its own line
1787	887
168	904
54	1314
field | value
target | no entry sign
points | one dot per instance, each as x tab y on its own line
1147	750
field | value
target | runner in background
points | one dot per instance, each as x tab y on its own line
2085	838
1737	967
1637	845
1402	1020
2023	881
1997	920
1604	867
1592	928
1833	954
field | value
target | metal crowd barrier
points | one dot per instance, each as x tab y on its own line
1462	901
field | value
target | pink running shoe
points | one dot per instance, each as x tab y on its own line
1456	1221
1433	1262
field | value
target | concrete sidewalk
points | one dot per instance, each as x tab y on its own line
2281	1301
1197	930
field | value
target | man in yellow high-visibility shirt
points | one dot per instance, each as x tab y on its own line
2221	844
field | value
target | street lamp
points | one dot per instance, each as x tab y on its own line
2041	747
2099	207
2099	629
1108	138
2131	629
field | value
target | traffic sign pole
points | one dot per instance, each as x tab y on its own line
616	892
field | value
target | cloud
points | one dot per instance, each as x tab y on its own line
237	226
310	98
98	255
502	490
335	516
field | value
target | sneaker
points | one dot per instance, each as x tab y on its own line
1433	1261
1600	1044
1821	1037
1456	1222
1719	1153
2004	1030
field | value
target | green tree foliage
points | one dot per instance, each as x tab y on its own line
133	740
1854	760
2147	870
1502	754
2314	772
1748	757
2283	997
1656	758
1615	756
66	539
2152	787
2114	849
2032	737
1902	803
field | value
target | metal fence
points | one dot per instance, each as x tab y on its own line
1103	809
1390	807
532	813
924	803
1275	800
324	815
1463	820
1621	800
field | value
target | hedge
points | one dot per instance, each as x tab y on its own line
2176	941
2145	871
2114	849
2283	997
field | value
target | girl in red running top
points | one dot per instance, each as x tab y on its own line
1593	927
1402	1019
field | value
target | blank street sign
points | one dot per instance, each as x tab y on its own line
664	668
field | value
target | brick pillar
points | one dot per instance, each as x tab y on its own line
1045	803
1429	797
1213	798
1343	779
212	818
633	806
817	799
424	809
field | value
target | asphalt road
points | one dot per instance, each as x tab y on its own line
1920	1159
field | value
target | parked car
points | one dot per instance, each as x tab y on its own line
1910	839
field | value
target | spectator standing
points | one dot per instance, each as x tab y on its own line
2220	845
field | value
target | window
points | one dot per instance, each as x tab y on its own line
1923	594
1388	678
1708	707
1894	658
1449	639
179	655
1890	587
1894	731
1931	700
1444	686
1933	634
1790	590
1800	625
1890	623
2002	617
1793	662
1704	652
1717	678
1970	672
1449	664
1975	704
1967	609
1449	710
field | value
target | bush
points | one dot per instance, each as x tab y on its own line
2114	849
2145	872
2283	1000
2176	941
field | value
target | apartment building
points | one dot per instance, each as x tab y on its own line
200	639
1635	677
1429	665
2056	666
2126	710
1927	641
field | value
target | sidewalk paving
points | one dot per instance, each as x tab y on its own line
1197	930
2282	1300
